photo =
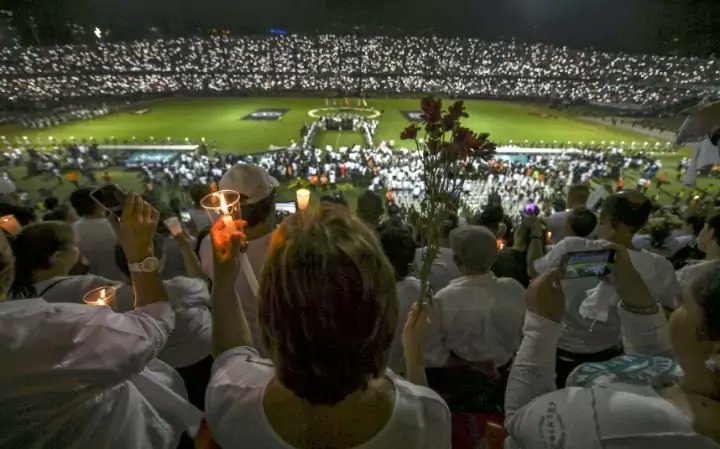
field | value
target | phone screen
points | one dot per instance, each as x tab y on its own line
285	207
111	197
584	264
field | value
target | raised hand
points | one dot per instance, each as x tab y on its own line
545	296
136	229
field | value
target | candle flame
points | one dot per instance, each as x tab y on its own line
223	204
102	294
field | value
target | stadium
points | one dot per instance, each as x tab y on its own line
133	96
346	224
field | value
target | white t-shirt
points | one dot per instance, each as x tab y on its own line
76	377
408	292
234	409
656	271
479	318
96	240
556	225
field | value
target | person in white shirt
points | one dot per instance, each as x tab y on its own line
477	318
328	313
50	251
78	376
199	219
621	415
591	328
95	236
577	197
257	203
399	247
443	268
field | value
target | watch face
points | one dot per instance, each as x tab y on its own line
150	264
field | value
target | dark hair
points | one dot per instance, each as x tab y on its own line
632	214
33	248
327	304
198	192
705	289
399	247
490	217
713	223
82	202
59	213
334	199
447	226
256	213
51	202
578	193
369	208
697	222
582	221
24	215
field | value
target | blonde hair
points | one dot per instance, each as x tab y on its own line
328	308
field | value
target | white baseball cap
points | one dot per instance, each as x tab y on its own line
253	183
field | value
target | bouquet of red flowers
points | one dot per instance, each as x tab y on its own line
448	152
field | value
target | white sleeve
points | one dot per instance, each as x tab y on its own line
102	344
645	334
552	259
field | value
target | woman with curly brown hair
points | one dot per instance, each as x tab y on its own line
328	312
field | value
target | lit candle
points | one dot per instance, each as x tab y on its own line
101	296
303	198
227	218
10	224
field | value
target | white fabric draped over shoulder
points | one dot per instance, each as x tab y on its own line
75	377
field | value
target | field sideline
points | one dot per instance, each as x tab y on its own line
220	120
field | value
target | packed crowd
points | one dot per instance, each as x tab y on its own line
124	330
351	64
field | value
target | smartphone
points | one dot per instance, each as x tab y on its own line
285	207
185	216
583	264
111	197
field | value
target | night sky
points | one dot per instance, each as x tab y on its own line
667	26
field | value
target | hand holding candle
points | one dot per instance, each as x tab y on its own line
101	296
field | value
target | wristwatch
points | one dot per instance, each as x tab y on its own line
148	265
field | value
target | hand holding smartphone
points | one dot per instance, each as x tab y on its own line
111	197
583	264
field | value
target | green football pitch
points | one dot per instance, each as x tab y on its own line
220	120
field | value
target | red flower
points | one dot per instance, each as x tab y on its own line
457	110
410	133
448	122
431	108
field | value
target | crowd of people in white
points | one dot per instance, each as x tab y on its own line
333	350
351	64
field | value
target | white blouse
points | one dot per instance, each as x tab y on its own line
76	376
234	409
